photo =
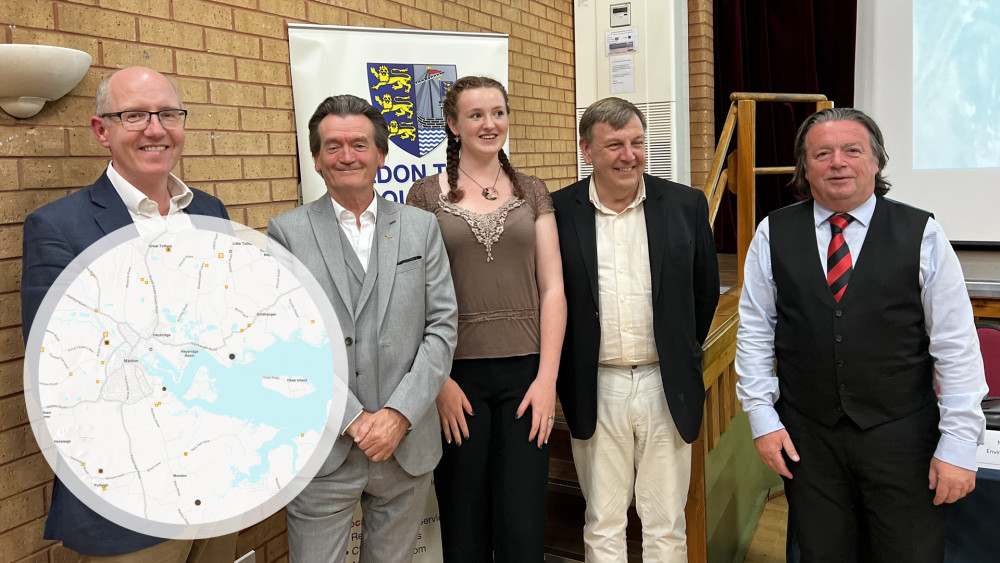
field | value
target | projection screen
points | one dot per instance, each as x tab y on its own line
928	72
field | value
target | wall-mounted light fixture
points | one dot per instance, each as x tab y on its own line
31	75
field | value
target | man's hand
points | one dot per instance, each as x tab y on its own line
355	426
380	433
950	482
769	447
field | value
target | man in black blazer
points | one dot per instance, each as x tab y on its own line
141	119
642	284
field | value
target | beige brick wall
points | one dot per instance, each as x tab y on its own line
701	71
230	61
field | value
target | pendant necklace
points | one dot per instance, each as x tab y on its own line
489	193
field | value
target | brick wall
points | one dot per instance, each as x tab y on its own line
701	70
229	58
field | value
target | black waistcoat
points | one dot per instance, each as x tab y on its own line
866	357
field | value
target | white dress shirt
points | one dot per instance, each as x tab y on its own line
948	318
146	212
360	239
625	283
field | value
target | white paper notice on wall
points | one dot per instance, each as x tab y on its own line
622	74
620	41
988	455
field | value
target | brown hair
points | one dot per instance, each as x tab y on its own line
346	105
450	108
616	112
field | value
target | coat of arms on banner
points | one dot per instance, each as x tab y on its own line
411	98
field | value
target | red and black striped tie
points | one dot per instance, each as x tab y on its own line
838	256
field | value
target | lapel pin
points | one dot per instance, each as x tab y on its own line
388	236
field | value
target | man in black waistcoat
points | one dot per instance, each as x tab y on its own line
851	410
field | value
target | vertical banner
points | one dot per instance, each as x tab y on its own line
403	72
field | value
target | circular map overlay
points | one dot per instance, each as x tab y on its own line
188	383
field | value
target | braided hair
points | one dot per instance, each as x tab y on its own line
454	149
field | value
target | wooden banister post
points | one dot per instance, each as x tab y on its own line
746	207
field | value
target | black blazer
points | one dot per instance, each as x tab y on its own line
53	236
685	276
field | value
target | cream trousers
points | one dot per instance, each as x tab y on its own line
635	445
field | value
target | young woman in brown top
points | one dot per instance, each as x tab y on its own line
498	405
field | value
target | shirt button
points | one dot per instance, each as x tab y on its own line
840	363
348	341
843	387
839	338
839	313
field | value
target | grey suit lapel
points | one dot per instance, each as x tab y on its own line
326	229
387	243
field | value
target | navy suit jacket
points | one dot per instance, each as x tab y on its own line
53	236
685	282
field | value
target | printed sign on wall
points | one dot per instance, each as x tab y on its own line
404	73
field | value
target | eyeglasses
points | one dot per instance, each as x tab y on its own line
134	120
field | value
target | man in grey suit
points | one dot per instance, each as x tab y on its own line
384	267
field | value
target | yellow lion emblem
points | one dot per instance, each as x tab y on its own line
400	104
404	132
399	79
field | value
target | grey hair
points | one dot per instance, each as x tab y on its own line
839	114
102	100
616	112
346	105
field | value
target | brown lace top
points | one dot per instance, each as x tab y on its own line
492	259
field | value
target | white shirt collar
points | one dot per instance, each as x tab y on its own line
137	202
862	213
640	196
340	210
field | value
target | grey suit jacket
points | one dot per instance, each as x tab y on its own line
417	316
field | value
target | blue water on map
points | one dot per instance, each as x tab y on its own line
241	395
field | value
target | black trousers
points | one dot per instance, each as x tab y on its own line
491	489
862	495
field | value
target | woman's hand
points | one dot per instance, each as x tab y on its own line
541	397
451	401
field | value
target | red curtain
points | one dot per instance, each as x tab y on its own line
784	46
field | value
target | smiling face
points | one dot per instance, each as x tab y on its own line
840	165
618	156
348	159
144	158
481	122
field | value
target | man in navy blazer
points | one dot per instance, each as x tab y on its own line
140	118
642	284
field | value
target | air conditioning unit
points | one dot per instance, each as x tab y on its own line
641	47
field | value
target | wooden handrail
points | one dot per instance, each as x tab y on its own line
711	189
772	170
774	97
